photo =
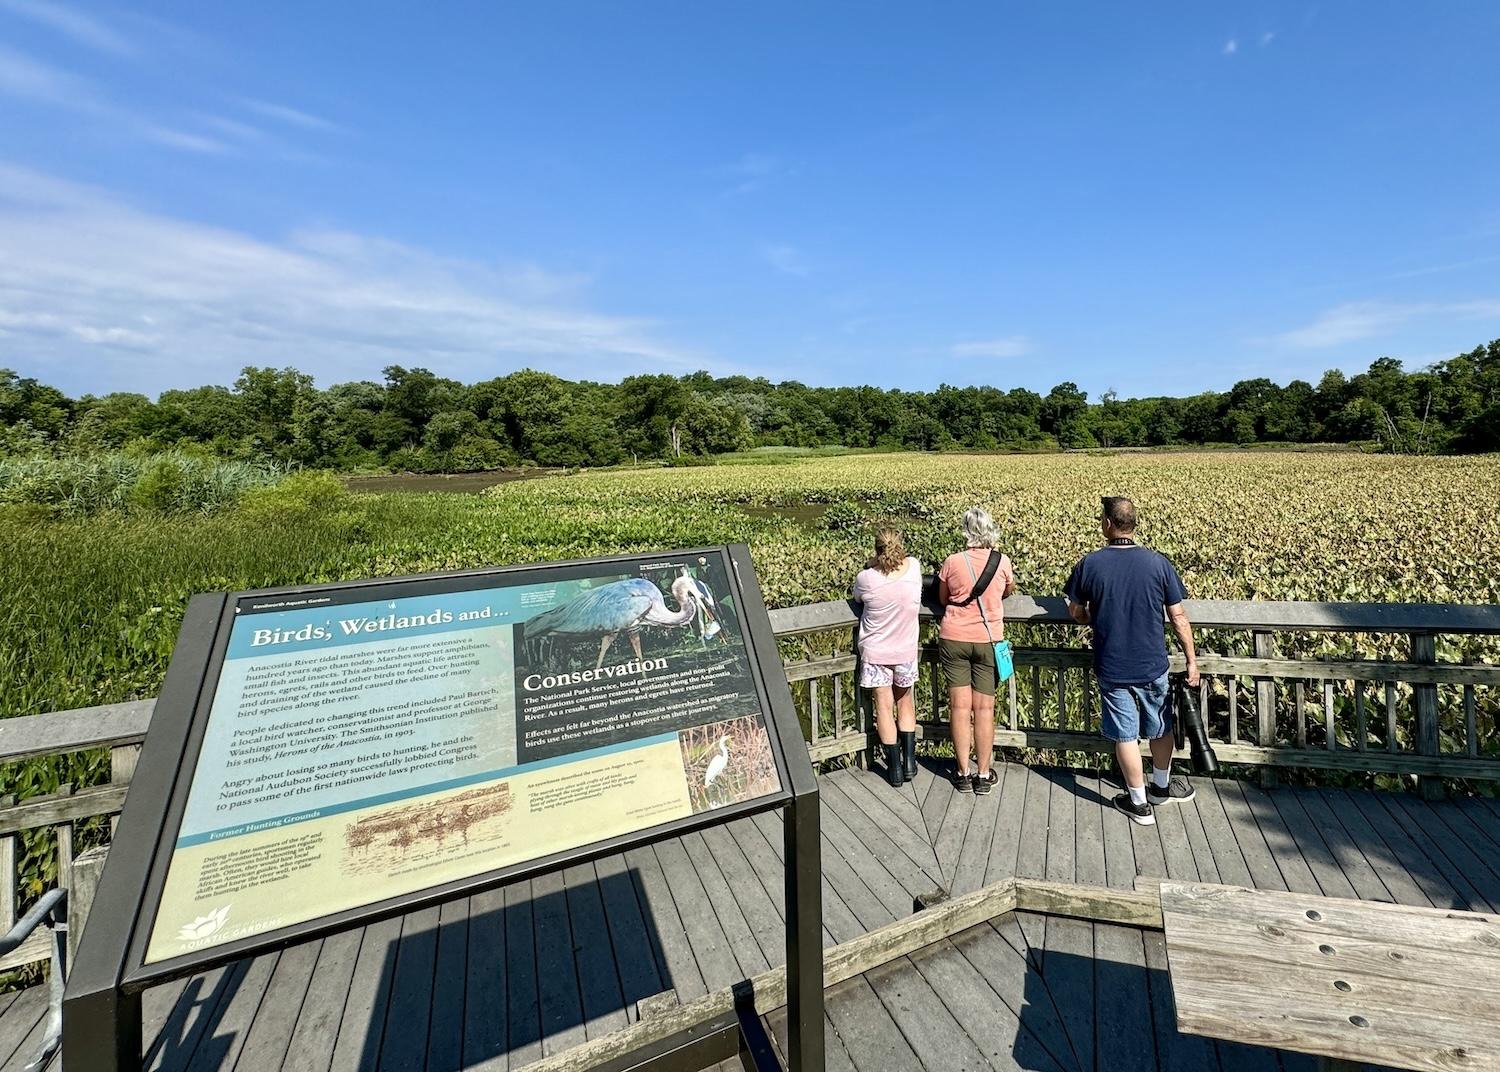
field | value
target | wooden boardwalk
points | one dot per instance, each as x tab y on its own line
501	979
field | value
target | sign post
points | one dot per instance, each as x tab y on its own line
324	757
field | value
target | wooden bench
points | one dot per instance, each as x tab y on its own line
1350	981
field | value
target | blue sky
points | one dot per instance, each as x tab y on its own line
1156	199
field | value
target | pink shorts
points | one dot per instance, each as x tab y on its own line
876	675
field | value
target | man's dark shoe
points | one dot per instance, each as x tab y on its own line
983	783
1178	791
1139	813
964	783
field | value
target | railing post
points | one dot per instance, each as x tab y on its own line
86	871
1265	704
1424	650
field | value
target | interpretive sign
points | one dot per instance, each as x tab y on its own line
368	742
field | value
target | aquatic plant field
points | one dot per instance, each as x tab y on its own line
91	606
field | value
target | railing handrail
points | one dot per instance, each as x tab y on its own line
110	725
1255	614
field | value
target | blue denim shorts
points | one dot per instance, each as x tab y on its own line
1134	711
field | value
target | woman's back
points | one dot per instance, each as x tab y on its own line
890	608
957	577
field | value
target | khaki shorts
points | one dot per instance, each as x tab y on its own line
968	664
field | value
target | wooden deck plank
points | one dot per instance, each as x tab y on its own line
20	1020
1258	966
1061	804
1122	1000
893	896
1295	872
879	838
1177	852
29	1046
921	785
920	1015
1265	873
748	958
1175	1052
1472	835
835	1059
893	811
1197	837
599	990
993	1026
1013	978
158	1005
559	994
1119	843
706	938
935	805
270	1032
1482	815
450	979
844	892
1088	830
1326	872
1406	853
865	1029
523	1007
1068	971
1393	876
1228	859
766	864
1456	860
1346	854
404	1045
219	1046
361	1021
761	914
676	962
1145	843
974	854
486	1016
1005	841
948	842
1031	856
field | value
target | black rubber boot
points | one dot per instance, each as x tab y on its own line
908	741
893	764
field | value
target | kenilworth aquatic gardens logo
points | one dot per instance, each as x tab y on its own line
204	926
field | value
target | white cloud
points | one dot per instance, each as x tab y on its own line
21	76
1010	346
752	172
1354	321
1231	47
785	258
282	113
29	79
120	297
1267	37
83	29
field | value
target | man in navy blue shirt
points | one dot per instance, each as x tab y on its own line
1123	590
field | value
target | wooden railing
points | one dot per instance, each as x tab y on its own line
1410	716
1414	716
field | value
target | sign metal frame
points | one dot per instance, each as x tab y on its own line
101	1009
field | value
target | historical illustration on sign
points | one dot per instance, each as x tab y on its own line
358	750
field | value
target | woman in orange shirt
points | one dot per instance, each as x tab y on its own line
973	621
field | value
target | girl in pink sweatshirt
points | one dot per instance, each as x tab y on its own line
889	594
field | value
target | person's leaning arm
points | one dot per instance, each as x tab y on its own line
1177	615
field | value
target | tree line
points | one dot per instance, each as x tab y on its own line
419	421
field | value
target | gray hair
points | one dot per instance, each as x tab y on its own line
980	528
